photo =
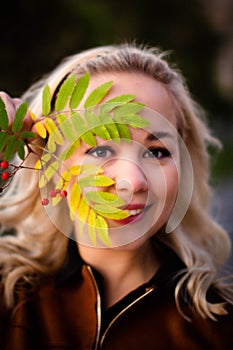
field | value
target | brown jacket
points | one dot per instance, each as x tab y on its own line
66	314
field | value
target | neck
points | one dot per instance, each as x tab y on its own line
122	270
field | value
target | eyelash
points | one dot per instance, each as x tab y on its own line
150	153
163	151
100	148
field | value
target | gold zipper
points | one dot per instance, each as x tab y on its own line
98	307
148	291
98	310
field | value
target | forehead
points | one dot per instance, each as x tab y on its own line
146	90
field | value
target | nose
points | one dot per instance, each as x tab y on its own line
130	177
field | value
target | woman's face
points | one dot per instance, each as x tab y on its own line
145	170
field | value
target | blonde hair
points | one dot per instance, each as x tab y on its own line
39	248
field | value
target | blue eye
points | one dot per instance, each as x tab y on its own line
157	153
100	152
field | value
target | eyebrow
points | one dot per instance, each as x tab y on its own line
157	135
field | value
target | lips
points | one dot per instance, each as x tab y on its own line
135	211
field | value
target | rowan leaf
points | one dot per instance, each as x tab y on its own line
48	174
110	212
128	109
10	148
100	197
82	129
19	116
91	169
54	132
32	115
27	135
97	95
110	126
116	102
3	139
75	195
102	230
123	130
79	91
66	127
92	226
46	100
83	210
97	127
4	121
64	93
41	130
67	153
135	121
99	181
20	149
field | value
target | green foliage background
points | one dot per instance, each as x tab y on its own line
36	35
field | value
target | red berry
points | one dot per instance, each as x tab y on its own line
5	175
53	193
45	201
63	193
4	164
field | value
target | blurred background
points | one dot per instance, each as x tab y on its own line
36	35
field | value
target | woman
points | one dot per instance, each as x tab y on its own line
158	283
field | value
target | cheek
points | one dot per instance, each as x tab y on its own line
164	183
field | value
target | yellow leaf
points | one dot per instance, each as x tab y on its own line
92	226
74	200
38	165
32	115
75	170
41	130
53	131
102	230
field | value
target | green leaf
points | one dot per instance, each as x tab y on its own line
123	129
66	127
110	212
4	121
82	129
27	134
79	91
115	102
110	126
48	174
67	153
64	92
10	148
107	198
19	116
96	125
91	226
102	230
129	108
46	103
3	139
99	181
91	169
97	95
135	121
20	149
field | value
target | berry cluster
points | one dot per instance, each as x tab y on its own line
5	175
54	193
